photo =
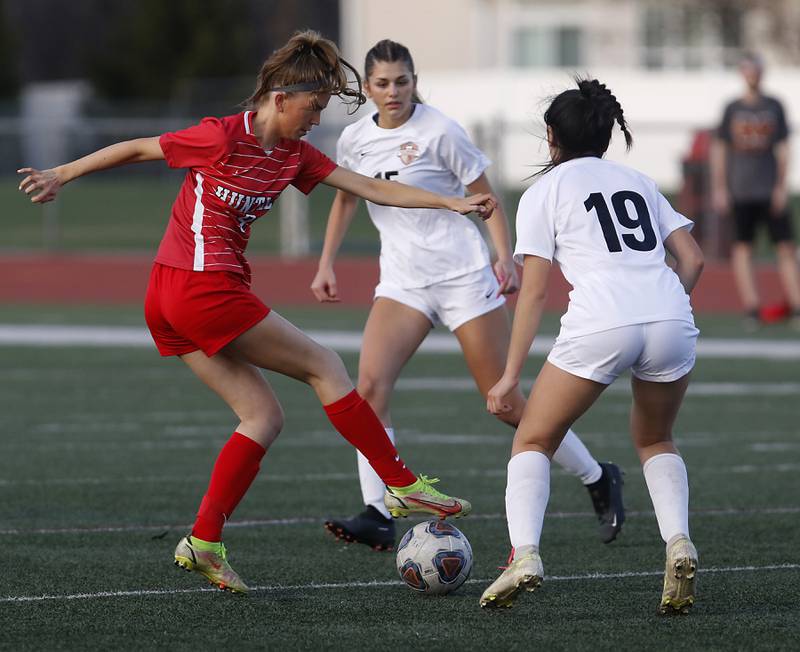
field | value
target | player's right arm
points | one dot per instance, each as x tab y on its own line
527	315
341	215
43	185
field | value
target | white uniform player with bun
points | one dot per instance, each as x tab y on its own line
608	228
434	268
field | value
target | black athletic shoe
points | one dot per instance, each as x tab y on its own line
606	496
369	527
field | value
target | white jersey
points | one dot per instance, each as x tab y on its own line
419	247
605	225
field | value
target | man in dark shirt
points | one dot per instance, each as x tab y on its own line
749	182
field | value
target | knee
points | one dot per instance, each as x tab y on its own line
375	391
263	426
326	366
512	417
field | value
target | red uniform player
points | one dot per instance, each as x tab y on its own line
199	305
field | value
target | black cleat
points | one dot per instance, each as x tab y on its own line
369	527
606	496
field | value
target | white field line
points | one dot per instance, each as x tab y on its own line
212	439
278	478
467	384
305	520
317	586
350	341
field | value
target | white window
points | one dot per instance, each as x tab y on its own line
544	47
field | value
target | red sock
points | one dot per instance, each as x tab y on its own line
236	467
352	416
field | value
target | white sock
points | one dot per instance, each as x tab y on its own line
372	487
527	492
668	485
576	459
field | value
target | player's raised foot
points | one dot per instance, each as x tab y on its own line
606	495
525	573
370	527
422	498
211	561
679	578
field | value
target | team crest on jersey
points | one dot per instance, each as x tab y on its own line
409	152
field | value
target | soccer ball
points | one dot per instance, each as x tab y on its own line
434	557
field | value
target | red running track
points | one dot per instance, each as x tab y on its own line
121	279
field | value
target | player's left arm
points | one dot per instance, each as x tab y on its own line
780	193
527	315
391	193
689	260
497	224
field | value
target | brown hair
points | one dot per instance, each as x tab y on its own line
389	52
308	62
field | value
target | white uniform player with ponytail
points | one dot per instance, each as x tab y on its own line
608	228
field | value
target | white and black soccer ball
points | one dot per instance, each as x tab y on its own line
434	557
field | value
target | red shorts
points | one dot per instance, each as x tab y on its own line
186	311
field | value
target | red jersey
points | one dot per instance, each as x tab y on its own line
231	182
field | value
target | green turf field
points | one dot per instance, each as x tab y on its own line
105	453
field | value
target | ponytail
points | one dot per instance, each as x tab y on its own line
606	105
581	121
308	63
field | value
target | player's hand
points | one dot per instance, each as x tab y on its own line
507	277
495	399
324	286
721	201
778	201
40	185
483	204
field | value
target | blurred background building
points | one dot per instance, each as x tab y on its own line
75	76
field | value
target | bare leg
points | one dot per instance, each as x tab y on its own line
484	342
276	344
742	262
789	271
392	334
246	392
655	407
557	399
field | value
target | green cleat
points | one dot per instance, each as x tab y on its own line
422	498
679	578
523	574
212	564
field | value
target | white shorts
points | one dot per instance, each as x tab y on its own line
657	352
452	302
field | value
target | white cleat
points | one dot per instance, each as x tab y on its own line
679	578
523	574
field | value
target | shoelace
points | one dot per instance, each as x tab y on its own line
428	489
508	561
